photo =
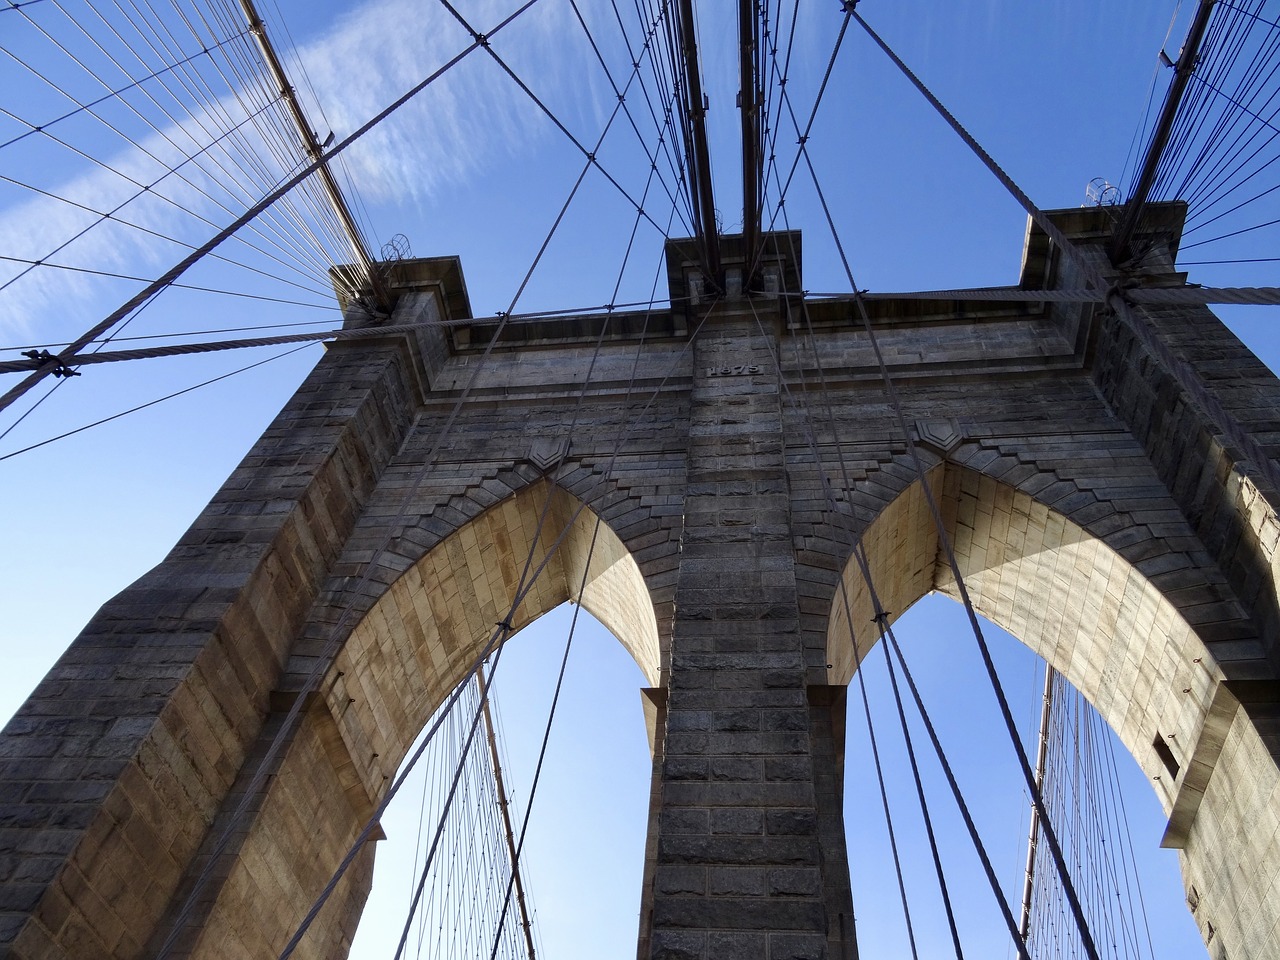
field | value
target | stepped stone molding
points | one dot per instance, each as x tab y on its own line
357	561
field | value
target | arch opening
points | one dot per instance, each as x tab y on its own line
408	652
585	838
1118	639
1152	918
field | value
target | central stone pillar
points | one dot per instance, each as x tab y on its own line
746	855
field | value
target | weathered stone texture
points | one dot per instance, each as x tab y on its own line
705	499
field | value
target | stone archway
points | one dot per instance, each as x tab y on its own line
1126	644
398	663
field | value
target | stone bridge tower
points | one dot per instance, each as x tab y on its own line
1096	509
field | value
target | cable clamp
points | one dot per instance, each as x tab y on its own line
1121	288
44	358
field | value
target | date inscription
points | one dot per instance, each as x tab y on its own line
738	370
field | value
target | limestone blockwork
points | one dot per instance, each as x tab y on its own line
722	462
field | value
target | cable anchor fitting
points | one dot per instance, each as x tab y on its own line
44	358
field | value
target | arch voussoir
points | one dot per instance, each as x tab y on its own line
1131	609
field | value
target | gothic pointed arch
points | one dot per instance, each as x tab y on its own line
1128	635
414	640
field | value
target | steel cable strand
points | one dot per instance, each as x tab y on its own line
1104	831
281	135
1221	172
622	94
444	813
1249	86
958	795
177	286
857	550
174	272
504	853
834	511
148	231
803	136
1202	224
666	124
924	807
67	374
1069	250
145	231
1203	127
523	589
298	266
417	842
777	81
1213	193
1140	131
141	406
944	538
1190	115
188	156
144	190
483	41
546	736
259	177
1129	861
113	94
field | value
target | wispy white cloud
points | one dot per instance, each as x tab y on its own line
451	133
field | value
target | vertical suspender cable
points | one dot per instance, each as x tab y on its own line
1033	837
505	810
1119	250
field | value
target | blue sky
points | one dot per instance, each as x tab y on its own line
1053	90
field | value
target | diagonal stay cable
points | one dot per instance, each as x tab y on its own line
523	587
178	269
667	123
883	619
546	738
206	151
35	128
149	403
635	77
1087	269
443	819
177	286
148	231
371	825
802	408
482	40
945	539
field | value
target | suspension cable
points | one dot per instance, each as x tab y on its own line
174	272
